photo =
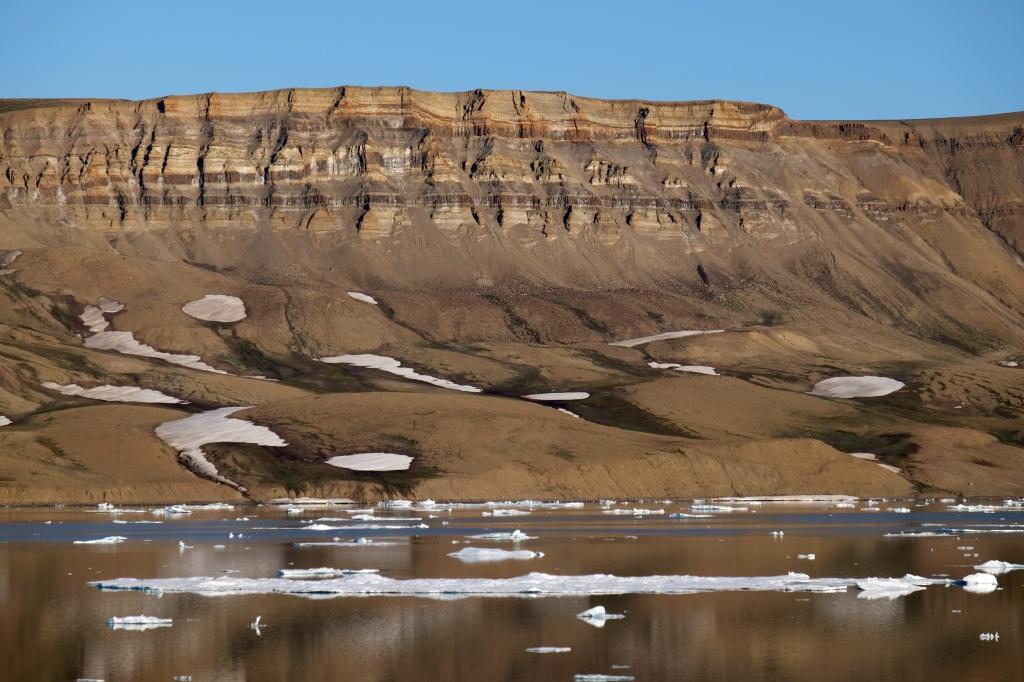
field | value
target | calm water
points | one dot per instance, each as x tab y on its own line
54	623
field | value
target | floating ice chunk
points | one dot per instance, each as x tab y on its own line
975	508
989	637
684	515
920	534
256	625
371	461
548	650
311	501
695	369
598	677
597	616
808	557
529	585
188	435
365	298
393	366
515	536
891	588
296	573
548	397
899	510
715	508
4	421
980	583
295	511
115	394
856	387
182	546
633	512
216	308
125	342
172	510
473	555
778	533
506	512
996	567
109	540
789	499
630	343
138	623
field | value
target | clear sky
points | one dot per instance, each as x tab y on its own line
822	59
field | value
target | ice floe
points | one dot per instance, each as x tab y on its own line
548	650
891	588
597	616
125	343
529	585
694	369
298	573
473	555
514	536
506	512
600	677
109	540
789	499
980	583
116	394
138	623
372	461
359	296
392	366
996	567
633	512
989	637
188	435
630	343
549	397
856	387
216	308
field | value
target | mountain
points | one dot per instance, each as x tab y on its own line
507	239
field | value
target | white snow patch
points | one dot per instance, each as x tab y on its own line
392	366
473	555
188	435
216	308
529	585
869	456
856	387
125	342
630	343
996	567
8	257
4	421
365	298
109	540
568	395
92	317
889	467
1009	363
695	369
115	394
372	461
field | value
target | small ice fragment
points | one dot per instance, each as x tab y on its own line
182	546
549	650
989	637
597	616
138	623
506	512
582	677
365	298
980	583
809	557
255	626
109	540
899	510
515	536
216	308
778	533
481	555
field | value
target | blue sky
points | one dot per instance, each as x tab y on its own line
850	60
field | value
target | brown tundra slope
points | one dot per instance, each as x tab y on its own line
509	238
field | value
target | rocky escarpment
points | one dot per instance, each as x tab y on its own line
393	187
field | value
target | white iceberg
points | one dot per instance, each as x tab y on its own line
392	366
323	572
114	394
125	342
548	397
630	343
372	461
138	623
109	540
548	650
359	296
996	567
216	308
980	583
473	555
515	536
188	435
856	387
693	369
